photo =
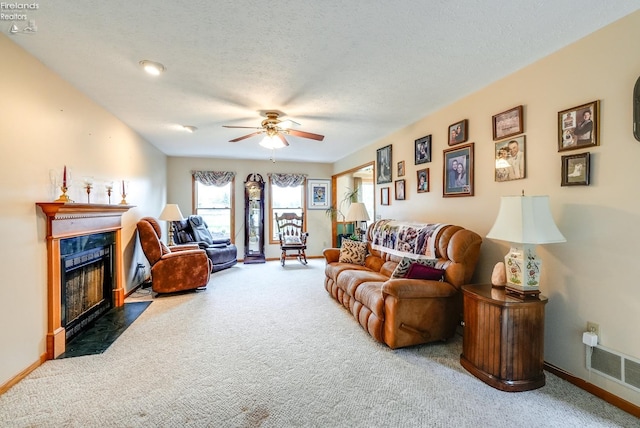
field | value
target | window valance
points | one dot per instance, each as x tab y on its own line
287	180
213	178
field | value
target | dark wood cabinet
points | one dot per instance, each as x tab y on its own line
254	219
503	339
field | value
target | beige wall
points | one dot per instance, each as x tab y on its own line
46	123
179	192
592	277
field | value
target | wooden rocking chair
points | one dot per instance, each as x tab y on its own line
292	238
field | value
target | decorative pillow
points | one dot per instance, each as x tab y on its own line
292	240
353	252
403	267
419	271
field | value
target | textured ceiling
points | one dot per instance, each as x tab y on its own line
354	71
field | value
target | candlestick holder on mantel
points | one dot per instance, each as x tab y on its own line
125	186
63	181
63	197
109	187
88	184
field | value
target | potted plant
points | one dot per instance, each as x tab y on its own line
335	212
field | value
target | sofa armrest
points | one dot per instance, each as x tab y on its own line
331	254
183	252
184	247
225	241
404	288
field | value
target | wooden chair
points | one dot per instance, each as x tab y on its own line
292	237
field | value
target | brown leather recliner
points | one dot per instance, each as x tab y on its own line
194	230
176	268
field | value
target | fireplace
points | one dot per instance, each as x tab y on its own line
86	280
85	272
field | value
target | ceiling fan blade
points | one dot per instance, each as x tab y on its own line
305	134
284	140
245	136
287	124
245	127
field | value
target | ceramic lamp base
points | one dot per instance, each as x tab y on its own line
523	267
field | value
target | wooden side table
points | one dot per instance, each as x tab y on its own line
503	339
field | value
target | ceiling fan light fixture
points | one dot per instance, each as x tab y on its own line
272	142
152	67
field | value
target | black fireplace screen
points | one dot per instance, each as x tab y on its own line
86	280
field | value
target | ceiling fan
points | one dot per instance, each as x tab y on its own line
275	131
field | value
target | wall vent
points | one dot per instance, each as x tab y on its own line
614	365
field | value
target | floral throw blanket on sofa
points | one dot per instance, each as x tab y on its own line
416	241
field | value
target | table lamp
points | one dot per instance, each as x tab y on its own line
357	213
524	221
171	213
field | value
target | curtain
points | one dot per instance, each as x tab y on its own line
287	180
213	178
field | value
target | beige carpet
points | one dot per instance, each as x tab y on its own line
267	346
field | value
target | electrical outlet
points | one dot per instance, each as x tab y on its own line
593	328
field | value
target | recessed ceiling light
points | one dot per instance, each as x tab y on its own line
190	128
151	67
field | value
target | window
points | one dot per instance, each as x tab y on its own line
215	204
283	200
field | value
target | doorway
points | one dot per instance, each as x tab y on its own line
354	185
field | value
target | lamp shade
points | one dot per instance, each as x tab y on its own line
171	212
357	212
525	220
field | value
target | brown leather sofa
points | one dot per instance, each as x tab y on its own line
175	268
401	311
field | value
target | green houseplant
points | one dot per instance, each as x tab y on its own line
335	212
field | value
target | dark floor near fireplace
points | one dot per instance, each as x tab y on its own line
97	338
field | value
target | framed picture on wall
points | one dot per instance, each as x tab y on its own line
575	170
400	190
458	171
507	123
318	194
578	127
510	159
423	180
458	132
383	165
423	150
401	169
384	196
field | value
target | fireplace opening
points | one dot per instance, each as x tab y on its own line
86	280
